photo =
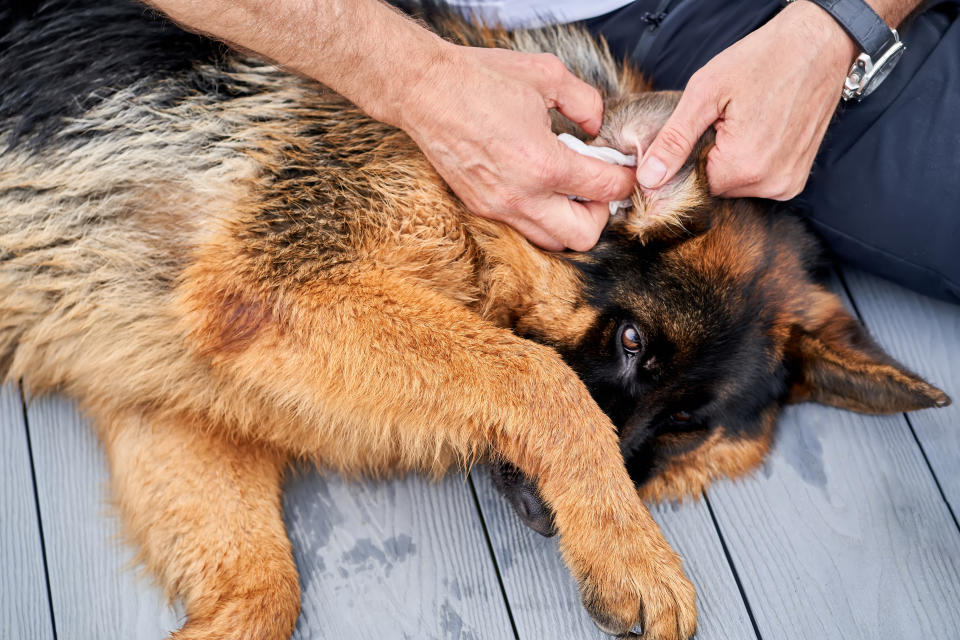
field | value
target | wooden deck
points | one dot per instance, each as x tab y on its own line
850	531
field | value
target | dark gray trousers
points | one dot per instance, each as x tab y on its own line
885	189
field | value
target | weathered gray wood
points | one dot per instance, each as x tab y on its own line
925	333
543	596
24	609
844	533
400	559
96	593
391	560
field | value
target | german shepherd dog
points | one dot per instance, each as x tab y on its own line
231	267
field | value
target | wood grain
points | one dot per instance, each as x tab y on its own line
24	608
925	333
95	591
411	551
543	596
399	559
844	533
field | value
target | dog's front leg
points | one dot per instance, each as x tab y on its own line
206	516
394	374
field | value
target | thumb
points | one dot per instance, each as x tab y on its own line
695	112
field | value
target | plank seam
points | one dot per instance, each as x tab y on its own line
913	432
36	504
733	567
936	480
493	557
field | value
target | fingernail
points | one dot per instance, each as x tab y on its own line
651	172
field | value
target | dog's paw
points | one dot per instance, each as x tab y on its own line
638	590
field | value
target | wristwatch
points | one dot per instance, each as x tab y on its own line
880	44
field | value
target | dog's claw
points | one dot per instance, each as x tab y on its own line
652	599
635	632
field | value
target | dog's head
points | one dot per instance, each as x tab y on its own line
705	321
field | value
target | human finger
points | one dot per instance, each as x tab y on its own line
576	225
528	226
699	107
752	169
590	178
578	101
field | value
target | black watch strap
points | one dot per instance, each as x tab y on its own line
861	22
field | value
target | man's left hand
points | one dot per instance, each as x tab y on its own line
770	97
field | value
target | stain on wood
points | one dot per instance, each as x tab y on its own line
397	559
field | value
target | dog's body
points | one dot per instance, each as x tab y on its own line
232	267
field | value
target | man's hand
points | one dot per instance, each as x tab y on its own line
770	96
481	118
480	115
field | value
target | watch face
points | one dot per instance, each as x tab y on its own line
881	70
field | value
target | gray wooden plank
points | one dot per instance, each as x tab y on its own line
543	596
399	559
844	533
410	550
24	608
95	592
924	332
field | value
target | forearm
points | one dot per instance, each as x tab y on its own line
364	49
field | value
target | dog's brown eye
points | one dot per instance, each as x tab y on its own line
681	417
630	339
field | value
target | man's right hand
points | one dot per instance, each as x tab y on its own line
481	117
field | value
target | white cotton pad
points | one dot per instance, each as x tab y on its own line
608	155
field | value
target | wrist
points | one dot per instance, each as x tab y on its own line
372	54
411	86
880	45
415	89
823	33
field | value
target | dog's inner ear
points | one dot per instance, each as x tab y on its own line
682	205
835	362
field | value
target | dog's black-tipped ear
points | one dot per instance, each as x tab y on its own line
835	362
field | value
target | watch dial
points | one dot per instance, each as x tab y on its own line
881	72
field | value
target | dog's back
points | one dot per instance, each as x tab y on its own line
102	196
130	144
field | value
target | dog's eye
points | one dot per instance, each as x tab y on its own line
681	418
630	339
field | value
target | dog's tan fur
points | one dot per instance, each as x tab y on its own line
370	339
229	284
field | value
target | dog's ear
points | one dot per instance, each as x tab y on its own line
682	206
834	361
